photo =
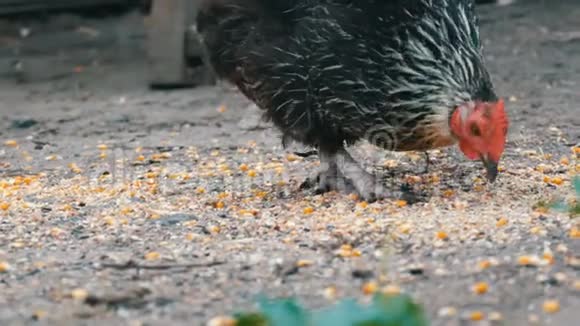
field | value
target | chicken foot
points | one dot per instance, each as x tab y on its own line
340	172
328	178
367	185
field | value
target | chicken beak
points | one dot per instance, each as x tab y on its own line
490	167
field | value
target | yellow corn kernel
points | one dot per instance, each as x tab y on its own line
501	222
74	168
484	264
476	316
11	143
252	173
102	147
401	203
369	288
480	288
308	210
363	204
557	181
448	193
4	267
4	206
152	255
551	306
292	157
525	261
441	235
244	167
564	161
549	257
200	190
575	233
219	205
304	263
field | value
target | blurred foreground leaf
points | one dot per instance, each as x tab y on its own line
384	310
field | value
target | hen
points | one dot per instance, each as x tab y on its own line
407	75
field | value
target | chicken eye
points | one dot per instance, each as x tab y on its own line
475	131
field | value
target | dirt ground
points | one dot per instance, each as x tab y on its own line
123	206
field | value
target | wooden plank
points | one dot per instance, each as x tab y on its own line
168	25
14	7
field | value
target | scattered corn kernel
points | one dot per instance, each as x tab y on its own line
219	205
405	228
11	143
200	190
4	267
557	181
484	264
222	109
215	229
252	173
39	314
4	206
152	255
74	168
549	257
244	167
564	161
551	306
102	147
401	203
575	233
304	263
363	204
501	222
576	150
441	235
525	261
79	294
448	193
476	316
369	288
480	288
308	210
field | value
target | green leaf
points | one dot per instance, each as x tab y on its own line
383	311
252	319
576	183
284	312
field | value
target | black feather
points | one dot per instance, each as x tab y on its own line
333	71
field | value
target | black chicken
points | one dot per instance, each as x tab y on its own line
403	74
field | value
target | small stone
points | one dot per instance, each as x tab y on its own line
222	321
447	312
495	316
79	294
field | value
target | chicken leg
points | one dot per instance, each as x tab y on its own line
340	172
